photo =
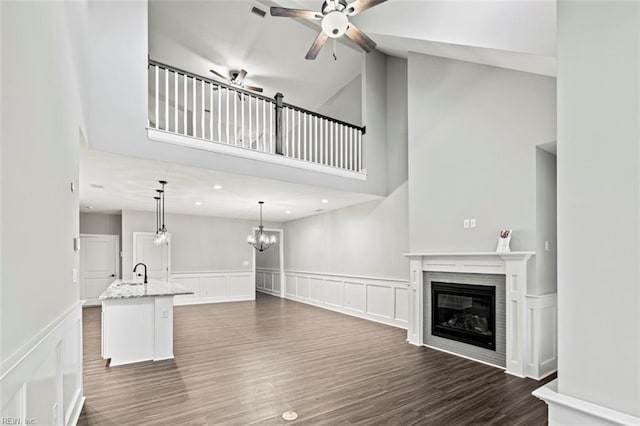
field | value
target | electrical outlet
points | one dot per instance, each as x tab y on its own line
165	313
472	222
465	223
245	263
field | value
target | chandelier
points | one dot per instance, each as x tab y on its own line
161	236
259	240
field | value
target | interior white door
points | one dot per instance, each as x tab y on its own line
156	257
99	265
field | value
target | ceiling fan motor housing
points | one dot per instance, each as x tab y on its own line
335	22
331	5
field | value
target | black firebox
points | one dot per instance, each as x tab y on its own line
465	313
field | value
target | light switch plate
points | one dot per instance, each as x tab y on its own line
465	223
74	275
245	263
472	222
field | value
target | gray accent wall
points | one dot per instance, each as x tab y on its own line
365	240
497	357
198	243
473	131
546	259
101	223
397	122
270	258
346	104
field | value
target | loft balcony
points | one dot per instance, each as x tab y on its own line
193	111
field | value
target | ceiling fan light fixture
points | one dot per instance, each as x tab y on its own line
335	24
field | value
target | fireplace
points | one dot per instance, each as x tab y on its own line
465	313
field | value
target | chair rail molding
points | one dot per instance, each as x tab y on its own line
215	286
377	299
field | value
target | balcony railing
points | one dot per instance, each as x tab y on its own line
193	106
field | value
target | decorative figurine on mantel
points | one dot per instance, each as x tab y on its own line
503	241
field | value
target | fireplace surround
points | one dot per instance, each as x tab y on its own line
529	333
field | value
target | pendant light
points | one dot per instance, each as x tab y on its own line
162	235
156	240
260	241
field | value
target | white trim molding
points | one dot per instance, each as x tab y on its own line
53	358
269	281
215	286
381	300
526	356
237	151
567	410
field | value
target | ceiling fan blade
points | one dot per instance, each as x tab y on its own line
219	75
317	45
253	88
295	13
361	5
240	78
360	38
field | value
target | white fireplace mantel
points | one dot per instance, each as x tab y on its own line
513	265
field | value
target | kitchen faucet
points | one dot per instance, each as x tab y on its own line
145	270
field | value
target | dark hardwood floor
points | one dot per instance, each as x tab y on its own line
247	362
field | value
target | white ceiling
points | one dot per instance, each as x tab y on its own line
199	35
130	183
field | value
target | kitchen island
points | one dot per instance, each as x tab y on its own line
137	321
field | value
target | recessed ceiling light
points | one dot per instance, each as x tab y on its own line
288	212
325	201
198	203
217	187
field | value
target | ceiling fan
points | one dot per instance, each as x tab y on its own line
236	78
335	22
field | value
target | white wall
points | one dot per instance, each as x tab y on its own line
546	260
101	223
473	131
397	122
363	240
270	258
198	243
346	103
599	203
43	100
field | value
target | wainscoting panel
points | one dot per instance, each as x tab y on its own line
268	281
42	382
377	299
542	318
214	286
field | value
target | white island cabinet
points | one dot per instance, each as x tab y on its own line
137	321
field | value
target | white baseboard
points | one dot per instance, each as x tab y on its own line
380	300
566	410
75	412
54	356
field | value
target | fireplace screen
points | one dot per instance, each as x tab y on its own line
465	313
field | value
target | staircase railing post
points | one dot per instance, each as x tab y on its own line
279	131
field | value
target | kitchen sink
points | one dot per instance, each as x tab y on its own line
131	283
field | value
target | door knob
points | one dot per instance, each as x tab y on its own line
113	275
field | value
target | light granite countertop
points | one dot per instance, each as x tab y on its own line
126	290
